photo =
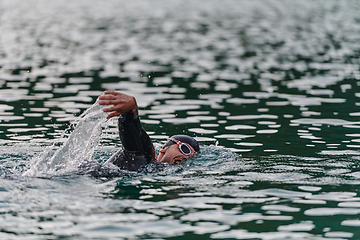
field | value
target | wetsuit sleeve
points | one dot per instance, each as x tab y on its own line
134	139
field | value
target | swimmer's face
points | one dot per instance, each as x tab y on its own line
172	154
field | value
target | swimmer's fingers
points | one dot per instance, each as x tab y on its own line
114	111
113	114
110	92
113	98
121	103
117	107
107	97
120	108
108	102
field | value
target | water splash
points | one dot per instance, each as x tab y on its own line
77	150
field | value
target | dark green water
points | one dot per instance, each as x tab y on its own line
269	88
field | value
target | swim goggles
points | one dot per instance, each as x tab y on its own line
184	149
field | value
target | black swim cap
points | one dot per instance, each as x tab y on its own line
185	139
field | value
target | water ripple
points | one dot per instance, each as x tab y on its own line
268	88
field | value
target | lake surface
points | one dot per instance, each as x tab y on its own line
269	88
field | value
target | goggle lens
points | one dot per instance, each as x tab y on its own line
184	149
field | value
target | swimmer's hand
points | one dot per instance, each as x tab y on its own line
121	102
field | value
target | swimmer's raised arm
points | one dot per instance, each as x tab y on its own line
121	102
137	149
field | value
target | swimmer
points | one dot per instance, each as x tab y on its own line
137	148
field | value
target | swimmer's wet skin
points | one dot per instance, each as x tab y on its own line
137	148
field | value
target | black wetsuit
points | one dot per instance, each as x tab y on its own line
137	148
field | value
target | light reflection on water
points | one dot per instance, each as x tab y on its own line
269	88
